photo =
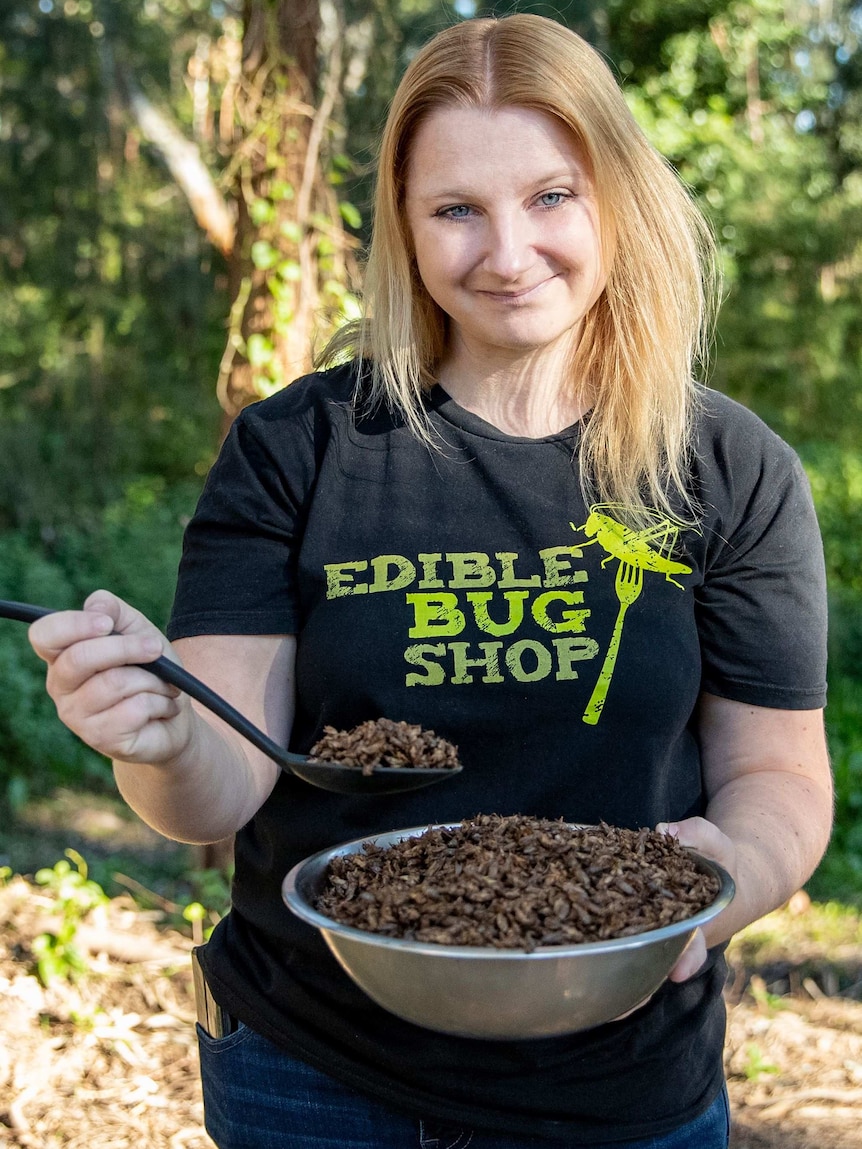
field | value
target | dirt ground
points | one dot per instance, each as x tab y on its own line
109	1061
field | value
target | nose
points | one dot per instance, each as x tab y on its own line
509	246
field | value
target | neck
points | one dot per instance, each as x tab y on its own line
530	395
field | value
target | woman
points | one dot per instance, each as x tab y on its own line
514	518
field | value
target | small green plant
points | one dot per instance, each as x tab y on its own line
196	914
200	899
212	887
768	1003
211	901
756	1063
75	894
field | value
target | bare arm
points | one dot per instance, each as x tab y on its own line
181	769
769	808
219	781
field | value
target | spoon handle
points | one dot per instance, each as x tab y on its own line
172	672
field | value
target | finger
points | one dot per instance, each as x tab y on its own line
126	620
103	613
78	663
137	727
703	836
129	716
691	959
689	830
51	635
102	691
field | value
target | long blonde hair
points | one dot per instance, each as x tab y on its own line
643	337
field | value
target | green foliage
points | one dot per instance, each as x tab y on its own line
73	895
198	898
836	482
109	309
211	901
840	873
132	547
827	926
835	473
768	1003
757	1065
753	103
212	888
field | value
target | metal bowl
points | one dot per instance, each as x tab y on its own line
480	991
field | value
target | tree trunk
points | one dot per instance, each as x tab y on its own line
283	204
185	163
273	285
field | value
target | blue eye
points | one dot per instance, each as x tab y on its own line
556	198
457	211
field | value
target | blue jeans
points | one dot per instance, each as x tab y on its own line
258	1097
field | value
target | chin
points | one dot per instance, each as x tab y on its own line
527	341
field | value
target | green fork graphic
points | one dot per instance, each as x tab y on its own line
628	585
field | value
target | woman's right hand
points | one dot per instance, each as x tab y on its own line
116	707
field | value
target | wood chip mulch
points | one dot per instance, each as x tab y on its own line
111	1062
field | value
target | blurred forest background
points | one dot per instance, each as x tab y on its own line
184	196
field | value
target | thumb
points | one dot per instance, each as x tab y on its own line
691	959
125	619
704	837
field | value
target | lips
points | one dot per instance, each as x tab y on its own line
522	293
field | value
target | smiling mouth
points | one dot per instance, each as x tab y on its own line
523	294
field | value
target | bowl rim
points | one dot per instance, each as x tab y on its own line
298	905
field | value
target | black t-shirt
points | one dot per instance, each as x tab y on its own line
467	587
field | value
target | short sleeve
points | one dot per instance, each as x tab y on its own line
762	607
238	569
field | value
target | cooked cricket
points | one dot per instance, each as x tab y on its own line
517	882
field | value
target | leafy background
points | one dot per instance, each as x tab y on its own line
114	304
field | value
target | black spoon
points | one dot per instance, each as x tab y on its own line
326	775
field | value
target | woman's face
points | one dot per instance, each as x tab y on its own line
505	228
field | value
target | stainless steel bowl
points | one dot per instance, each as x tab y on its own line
480	991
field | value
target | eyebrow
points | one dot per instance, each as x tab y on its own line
551	180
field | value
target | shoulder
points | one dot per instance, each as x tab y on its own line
722	425
287	435
320	395
736	455
749	483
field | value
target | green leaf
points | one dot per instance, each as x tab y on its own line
291	230
290	270
263	255
261	211
350	215
259	350
281	190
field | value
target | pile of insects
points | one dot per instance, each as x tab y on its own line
383	742
517	883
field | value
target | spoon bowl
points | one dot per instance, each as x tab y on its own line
332	776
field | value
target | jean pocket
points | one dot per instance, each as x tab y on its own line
223	1044
434	1135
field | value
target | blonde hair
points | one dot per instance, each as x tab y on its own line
651	325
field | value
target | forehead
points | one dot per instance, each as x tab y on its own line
476	142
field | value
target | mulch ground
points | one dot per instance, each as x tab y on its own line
110	1062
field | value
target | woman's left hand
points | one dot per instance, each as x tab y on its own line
708	840
768	812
